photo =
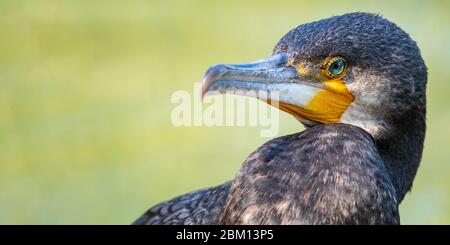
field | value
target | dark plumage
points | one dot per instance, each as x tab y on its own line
356	171
336	177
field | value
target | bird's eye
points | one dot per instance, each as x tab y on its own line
335	67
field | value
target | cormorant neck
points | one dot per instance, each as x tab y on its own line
401	149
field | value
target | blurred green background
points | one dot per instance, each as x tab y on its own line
85	132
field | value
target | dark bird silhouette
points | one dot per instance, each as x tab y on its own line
357	82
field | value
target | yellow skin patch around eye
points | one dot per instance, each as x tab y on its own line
329	103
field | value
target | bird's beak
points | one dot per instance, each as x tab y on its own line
308	100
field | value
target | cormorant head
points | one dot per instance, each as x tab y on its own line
358	68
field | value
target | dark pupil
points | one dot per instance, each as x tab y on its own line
337	67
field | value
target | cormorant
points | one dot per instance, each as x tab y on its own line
357	82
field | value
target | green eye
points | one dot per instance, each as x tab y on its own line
336	66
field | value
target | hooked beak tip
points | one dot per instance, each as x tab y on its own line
268	70
212	74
